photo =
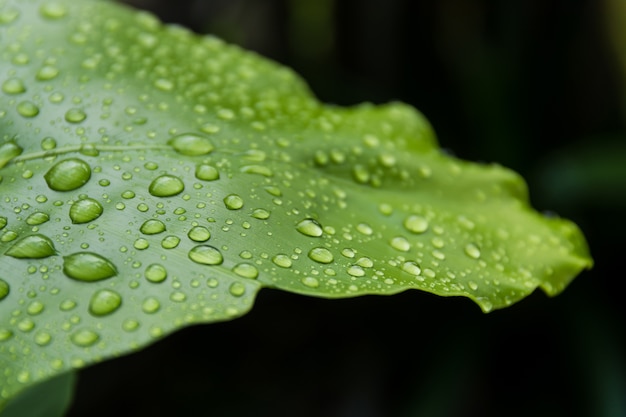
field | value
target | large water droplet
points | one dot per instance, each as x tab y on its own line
85	338
47	72
75	115
88	266
199	234
416	224
237	289
150	305
4	289
356	271
68	174
412	268
53	10
310	227
13	86
27	109
246	270
282	260
207	255
260	214
37	218
321	255
310	282
155	273
32	247
233	202
43	338
8	151
166	186
191	144
206	172
152	227
85	211
104	302
400	243
170	242
472	251
257	169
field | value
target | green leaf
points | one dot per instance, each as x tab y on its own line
151	179
51	398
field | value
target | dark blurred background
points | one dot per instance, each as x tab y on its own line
536	85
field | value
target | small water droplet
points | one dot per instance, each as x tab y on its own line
282	260
261	214
85	211
128	194
310	227
170	242
47	72
166	186
130	325
88	266
43	338
27	109
8	15
68	174
473	285
164	84
356	271
155	273
13	86
37	218
472	251
53	10
411	268
257	169
246	270
400	243
4	289
32	247
104	302
233	202
75	116
34	308
191	144
152	227
199	234
207	172
85	338
365	262
416	224
310	282
205	254
150	305
364	229
141	244
237	289
321	255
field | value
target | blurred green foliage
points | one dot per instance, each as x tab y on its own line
533	84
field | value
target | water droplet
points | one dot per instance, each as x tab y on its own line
37	218
321	255
32	247
472	251
85	211
8	151
310	227
246	270
191	144
155	273
75	116
207	255
199	234
130	325
356	271
4	289
178	297
5	334
43	338
128	194
237	289
150	305
170	242
411	268
67	305
152	227
13	86
88	266
3	222
166	186
68	174
364	229
104	302
141	244
164	84
400	243
85	338
206	172
261	214
257	169
365	262
8	15
233	202
416	224
47	72
34	308
282	260
53	10
310	282
27	109
473	285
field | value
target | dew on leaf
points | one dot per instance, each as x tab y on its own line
130	325
473	286
53	10
35	307
191	144
27	109
364	229
310	227
85	211
48	143
141	244
260	214
128	194
68	174
47	72
88	266
199	234
150	305
8	15
32	247
4	289
155	273
8	236
43	338
152	227
207	172
26	325
104	302
321	255
257	169
416	224
37	218
206	255
233	202
246	270
472	251
411	268
356	271
85	338
170	242
310	282
75	115
282	260
5	334
67	305
166	186
237	289
365	262
400	243
13	86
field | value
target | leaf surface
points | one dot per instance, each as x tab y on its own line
151	178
